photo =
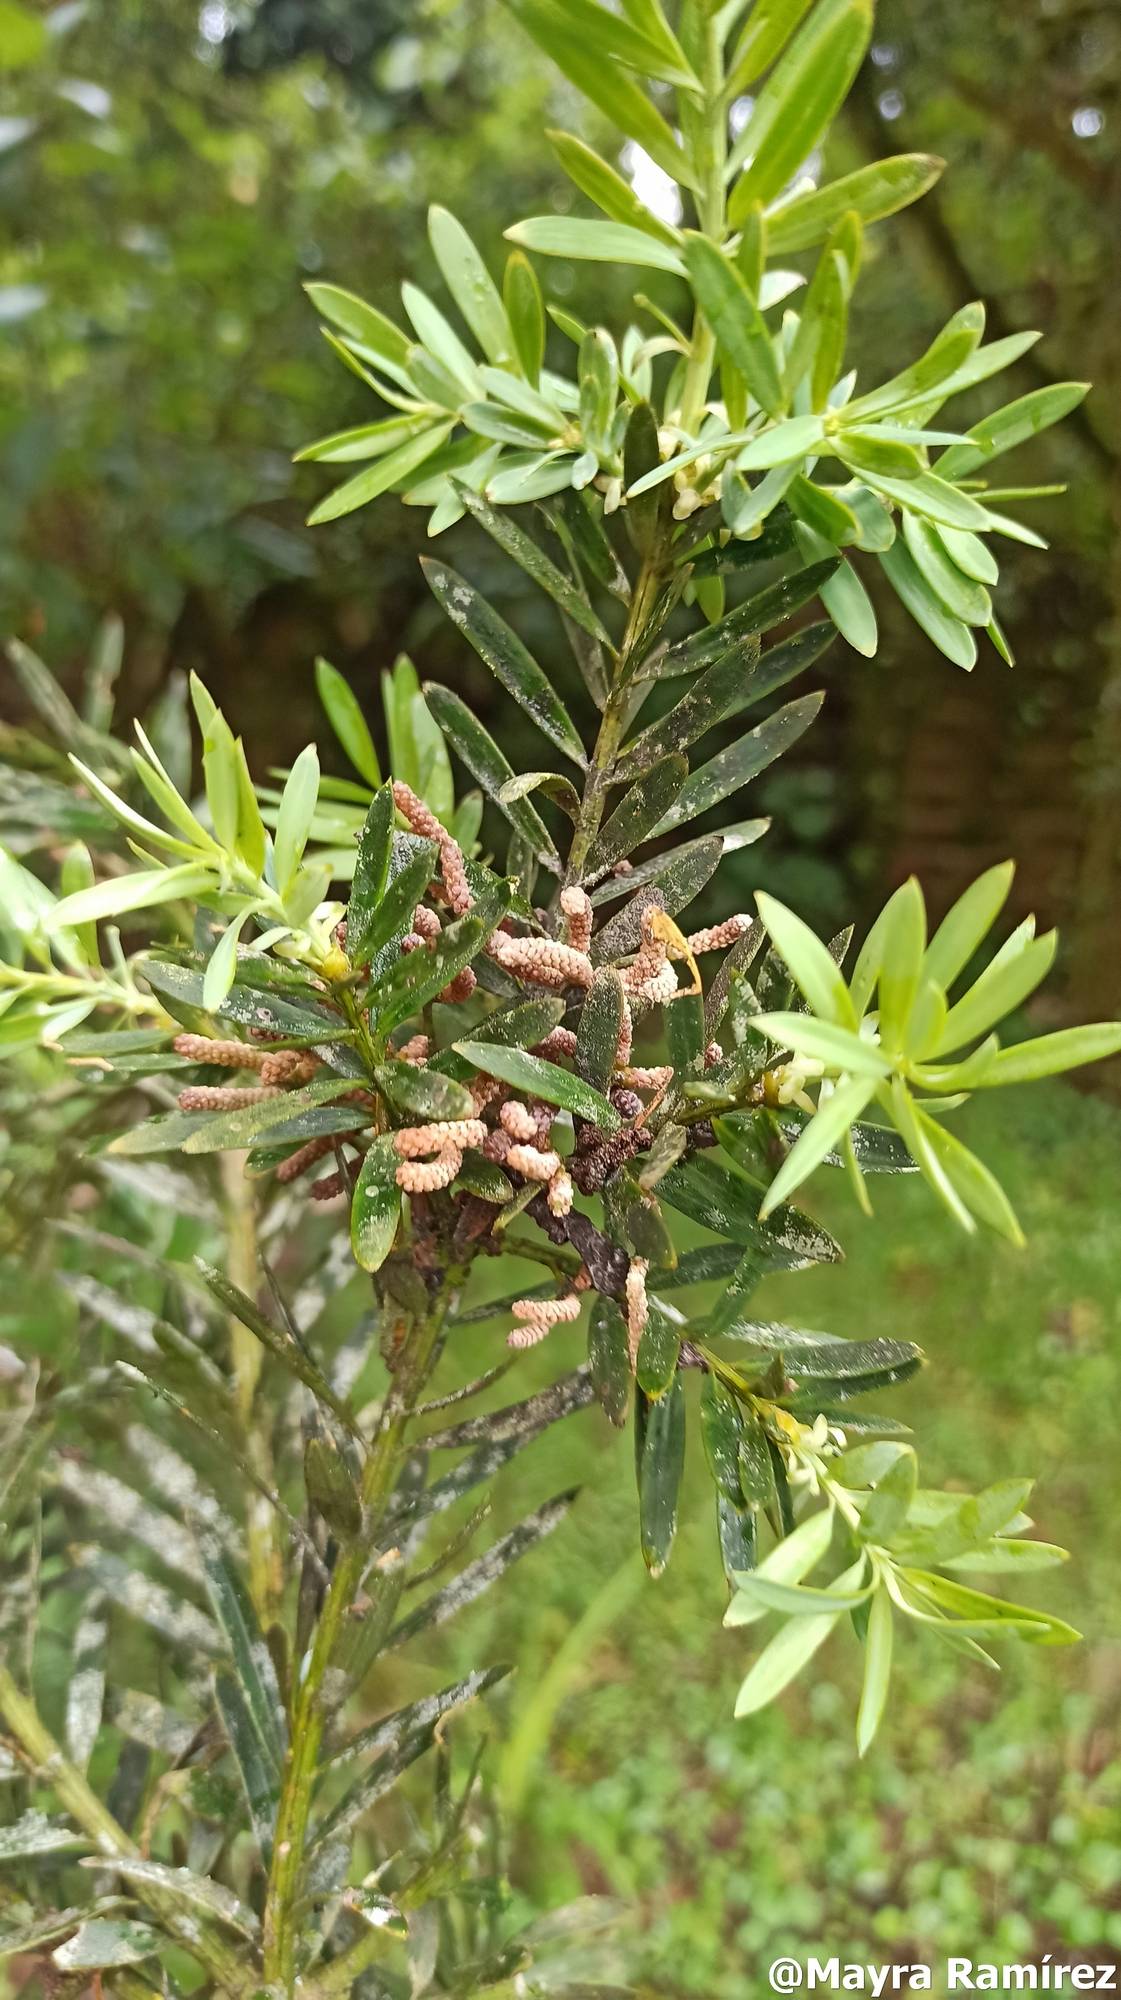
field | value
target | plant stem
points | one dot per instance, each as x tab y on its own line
710	141
246	1354
411	1371
225	1965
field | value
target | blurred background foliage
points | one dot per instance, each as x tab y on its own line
168	178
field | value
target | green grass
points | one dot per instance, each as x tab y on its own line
985	1820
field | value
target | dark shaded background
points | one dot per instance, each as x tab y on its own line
169	176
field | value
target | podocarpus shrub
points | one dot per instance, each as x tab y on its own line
483	1038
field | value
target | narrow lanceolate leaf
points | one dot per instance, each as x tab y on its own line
792	1648
85	1694
361	322
371	875
499	646
376	1206
720	691
823	1132
741	761
600	1026
608	1358
712	1194
506	531
735	319
599	242
392	470
640	812
470	284
250	1657
610	192
239	1128
758	613
290	1353
621	99
815	971
1011	426
871	192
392	1730
485	1570
950	634
489	767
33	1833
347	720
260	1778
1050	1055
539	1078
193	1894
798	101
660	1457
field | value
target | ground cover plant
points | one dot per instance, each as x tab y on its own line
392	1025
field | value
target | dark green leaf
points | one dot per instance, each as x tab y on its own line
641	811
506	531
488	765
658	1351
538	1078
607	1354
331	1488
234	1129
423	1092
415	980
499	646
371	876
720	691
376	1206
599	1028
743	760
758	613
660	1455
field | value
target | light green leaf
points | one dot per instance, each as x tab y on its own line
871	192
361	322
818	1137
966	923
599	242
297	810
798	102
949	634
564	38
735	319
792	1648
347	720
608	189
392	470
145	889
877	1671
1003	986
962	596
1050	1055
470	284
837	1048
1011	426
816	973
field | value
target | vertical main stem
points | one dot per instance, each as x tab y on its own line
246	1355
410	1373
710	149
